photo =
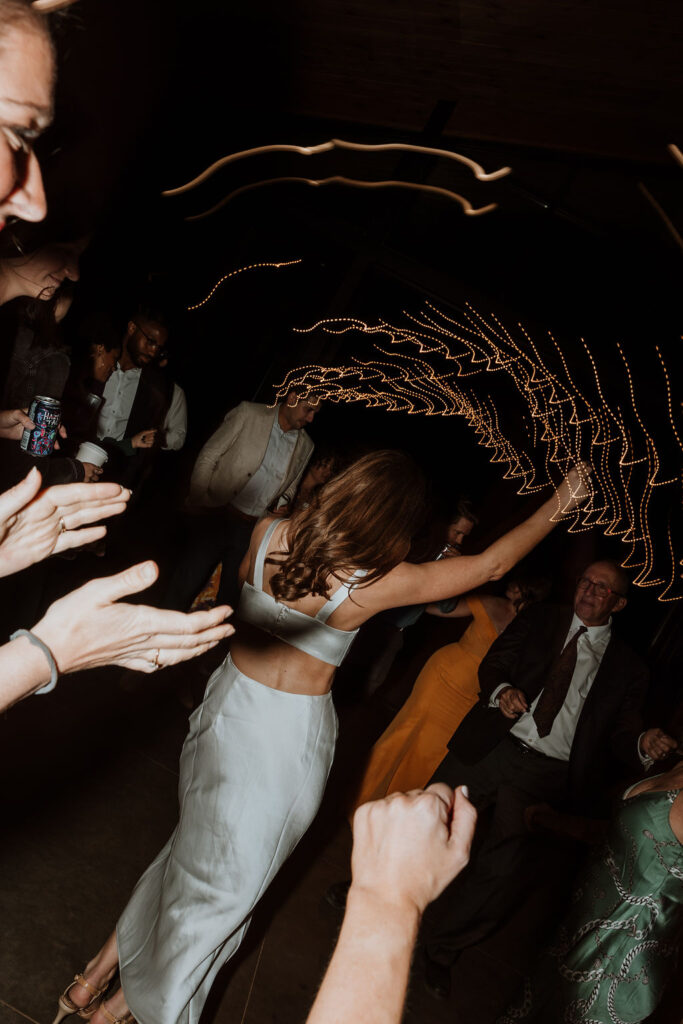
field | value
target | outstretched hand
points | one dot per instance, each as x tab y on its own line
89	628
408	847
35	524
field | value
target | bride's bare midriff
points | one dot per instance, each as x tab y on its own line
277	664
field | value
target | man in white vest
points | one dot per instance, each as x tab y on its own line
251	464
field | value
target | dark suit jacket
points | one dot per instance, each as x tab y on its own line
610	721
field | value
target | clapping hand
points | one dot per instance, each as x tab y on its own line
35	524
89	627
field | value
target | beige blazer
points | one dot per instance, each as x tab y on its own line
234	453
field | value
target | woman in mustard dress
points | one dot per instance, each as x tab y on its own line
415	743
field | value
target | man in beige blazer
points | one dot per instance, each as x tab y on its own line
251	464
235	452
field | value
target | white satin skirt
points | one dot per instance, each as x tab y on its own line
252	775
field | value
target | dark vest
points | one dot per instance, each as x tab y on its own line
150	405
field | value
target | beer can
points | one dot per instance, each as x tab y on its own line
46	413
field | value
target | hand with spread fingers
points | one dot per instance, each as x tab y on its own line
89	627
35	524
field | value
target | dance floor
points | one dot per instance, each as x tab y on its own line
89	796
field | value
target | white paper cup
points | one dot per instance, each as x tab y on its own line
89	452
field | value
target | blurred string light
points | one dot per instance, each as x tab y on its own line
234	273
325	147
340	179
435	365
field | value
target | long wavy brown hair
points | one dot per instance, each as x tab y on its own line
363	518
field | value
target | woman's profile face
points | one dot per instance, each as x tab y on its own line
26	73
104	361
322	471
40	274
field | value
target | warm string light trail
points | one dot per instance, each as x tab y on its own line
339	179
234	273
434	364
325	147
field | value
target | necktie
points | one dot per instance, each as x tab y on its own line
555	690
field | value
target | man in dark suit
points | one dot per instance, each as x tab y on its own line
559	707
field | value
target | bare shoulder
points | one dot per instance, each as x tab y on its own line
262	527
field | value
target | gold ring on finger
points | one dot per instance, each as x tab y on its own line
62	526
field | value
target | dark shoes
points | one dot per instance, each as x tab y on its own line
337	893
437	978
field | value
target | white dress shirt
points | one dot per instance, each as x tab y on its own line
256	496
119	395
591	647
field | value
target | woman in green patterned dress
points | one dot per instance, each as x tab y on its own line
617	945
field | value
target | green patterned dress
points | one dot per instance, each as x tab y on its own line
617	944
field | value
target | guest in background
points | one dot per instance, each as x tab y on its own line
40	274
322	467
142	409
561	702
617	945
383	638
95	359
416	742
253	462
36	289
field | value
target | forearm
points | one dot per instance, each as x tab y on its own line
509	549
23	670
175	424
368	974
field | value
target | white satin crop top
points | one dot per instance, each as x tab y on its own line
308	633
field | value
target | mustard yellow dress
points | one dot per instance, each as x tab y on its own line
411	748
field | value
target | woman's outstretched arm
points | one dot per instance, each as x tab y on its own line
435	581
